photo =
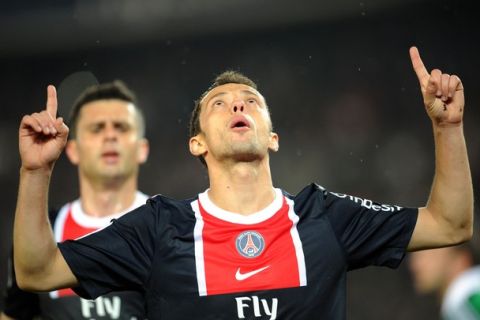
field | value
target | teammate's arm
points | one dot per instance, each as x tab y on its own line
39	265
447	218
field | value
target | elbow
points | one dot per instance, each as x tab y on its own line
463	236
28	281
468	233
460	225
24	283
31	284
462	233
467	227
23	277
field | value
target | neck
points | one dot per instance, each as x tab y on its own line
104	198
241	187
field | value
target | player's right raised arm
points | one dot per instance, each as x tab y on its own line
39	265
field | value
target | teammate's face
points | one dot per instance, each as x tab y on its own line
430	269
235	124
108	145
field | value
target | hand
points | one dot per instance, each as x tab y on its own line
42	136
442	93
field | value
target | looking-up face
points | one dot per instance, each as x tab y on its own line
108	143
235	124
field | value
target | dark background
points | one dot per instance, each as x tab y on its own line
336	75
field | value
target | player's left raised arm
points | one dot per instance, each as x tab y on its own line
447	219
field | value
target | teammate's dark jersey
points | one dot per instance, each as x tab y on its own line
196	261
70	222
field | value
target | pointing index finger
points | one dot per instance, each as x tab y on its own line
52	101
418	66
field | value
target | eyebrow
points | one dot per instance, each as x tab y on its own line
104	122
249	92
216	95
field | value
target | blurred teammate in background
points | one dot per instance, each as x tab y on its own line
453	274
107	144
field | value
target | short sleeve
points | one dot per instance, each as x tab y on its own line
117	257
370	233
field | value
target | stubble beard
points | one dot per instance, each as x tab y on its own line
247	151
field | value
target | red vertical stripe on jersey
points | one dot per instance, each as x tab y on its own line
227	271
72	230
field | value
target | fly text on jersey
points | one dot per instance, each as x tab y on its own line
101	307
248	306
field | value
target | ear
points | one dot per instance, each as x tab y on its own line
71	150
273	142
143	151
197	145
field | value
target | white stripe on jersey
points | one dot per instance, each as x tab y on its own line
302	271
197	238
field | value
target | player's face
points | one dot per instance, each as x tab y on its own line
236	124
430	269
108	145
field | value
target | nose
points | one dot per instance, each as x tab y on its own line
110	132
238	105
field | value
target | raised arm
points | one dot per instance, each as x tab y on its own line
447	218
39	265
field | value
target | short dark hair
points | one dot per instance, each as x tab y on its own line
225	77
110	90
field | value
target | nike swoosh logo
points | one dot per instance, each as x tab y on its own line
242	276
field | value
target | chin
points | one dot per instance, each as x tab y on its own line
248	156
112	173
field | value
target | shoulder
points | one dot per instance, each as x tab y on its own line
165	206
310	199
309	191
165	212
162	200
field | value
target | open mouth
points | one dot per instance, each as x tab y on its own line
239	122
110	156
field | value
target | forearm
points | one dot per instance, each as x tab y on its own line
451	198
3	316
34	245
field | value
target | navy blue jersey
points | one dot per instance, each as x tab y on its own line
194	260
71	222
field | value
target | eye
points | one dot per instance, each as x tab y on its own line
96	128
218	103
122	127
250	101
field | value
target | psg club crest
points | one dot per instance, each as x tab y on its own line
250	244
